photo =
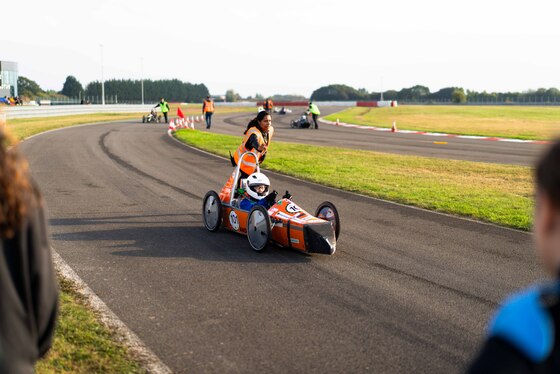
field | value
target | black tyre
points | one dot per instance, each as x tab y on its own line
259	230
143	119
292	124
328	212
212	211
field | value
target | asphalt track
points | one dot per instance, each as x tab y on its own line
407	290
409	144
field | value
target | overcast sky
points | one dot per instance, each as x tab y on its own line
288	46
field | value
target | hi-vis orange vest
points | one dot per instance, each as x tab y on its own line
268	104
208	106
249	164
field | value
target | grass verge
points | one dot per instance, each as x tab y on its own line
518	122
500	194
81	343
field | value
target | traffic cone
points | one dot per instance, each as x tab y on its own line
192	125
172	123
394	127
337	123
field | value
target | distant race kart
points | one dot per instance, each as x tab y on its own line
152	117
284	110
302	122
285	223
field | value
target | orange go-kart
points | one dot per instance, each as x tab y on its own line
284	224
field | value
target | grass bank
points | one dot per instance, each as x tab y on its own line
519	122
500	194
81	343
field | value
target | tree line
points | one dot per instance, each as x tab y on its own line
130	91
419	93
124	90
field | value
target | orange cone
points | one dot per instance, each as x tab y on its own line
394	127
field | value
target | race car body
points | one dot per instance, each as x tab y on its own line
285	223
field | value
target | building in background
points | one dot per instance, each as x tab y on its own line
8	78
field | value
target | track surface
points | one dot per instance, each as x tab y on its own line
409	144
407	290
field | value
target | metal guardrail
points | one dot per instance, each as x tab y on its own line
67	110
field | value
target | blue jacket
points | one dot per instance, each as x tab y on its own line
247	203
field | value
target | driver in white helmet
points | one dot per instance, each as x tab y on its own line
256	192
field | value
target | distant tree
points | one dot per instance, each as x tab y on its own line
72	88
458	96
173	90
414	93
28	88
232	96
339	92
390	95
258	96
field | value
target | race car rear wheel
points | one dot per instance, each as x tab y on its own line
258	228
212	211
328	212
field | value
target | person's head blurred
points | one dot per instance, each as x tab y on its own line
17	194
547	210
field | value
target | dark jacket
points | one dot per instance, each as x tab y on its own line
28	296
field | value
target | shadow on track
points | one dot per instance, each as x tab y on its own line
144	236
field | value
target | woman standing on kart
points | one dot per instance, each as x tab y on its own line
257	139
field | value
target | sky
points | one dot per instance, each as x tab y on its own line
290	46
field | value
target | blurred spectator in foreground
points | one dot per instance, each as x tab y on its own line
28	288
524	335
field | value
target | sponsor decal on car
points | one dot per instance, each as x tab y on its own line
283	215
292	208
234	220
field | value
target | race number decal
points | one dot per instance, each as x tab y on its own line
292	208
233	220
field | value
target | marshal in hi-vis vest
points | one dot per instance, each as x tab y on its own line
249	164
208	106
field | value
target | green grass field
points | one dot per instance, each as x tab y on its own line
81	343
519	122
500	194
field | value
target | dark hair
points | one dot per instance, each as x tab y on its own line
18	195
255	121
547	173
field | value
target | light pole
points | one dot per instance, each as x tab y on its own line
142	77
102	79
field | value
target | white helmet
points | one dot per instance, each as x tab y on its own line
254	180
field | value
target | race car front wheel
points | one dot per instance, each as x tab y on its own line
328	212
258	228
212	211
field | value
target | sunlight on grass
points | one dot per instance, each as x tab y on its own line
520	122
496	193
